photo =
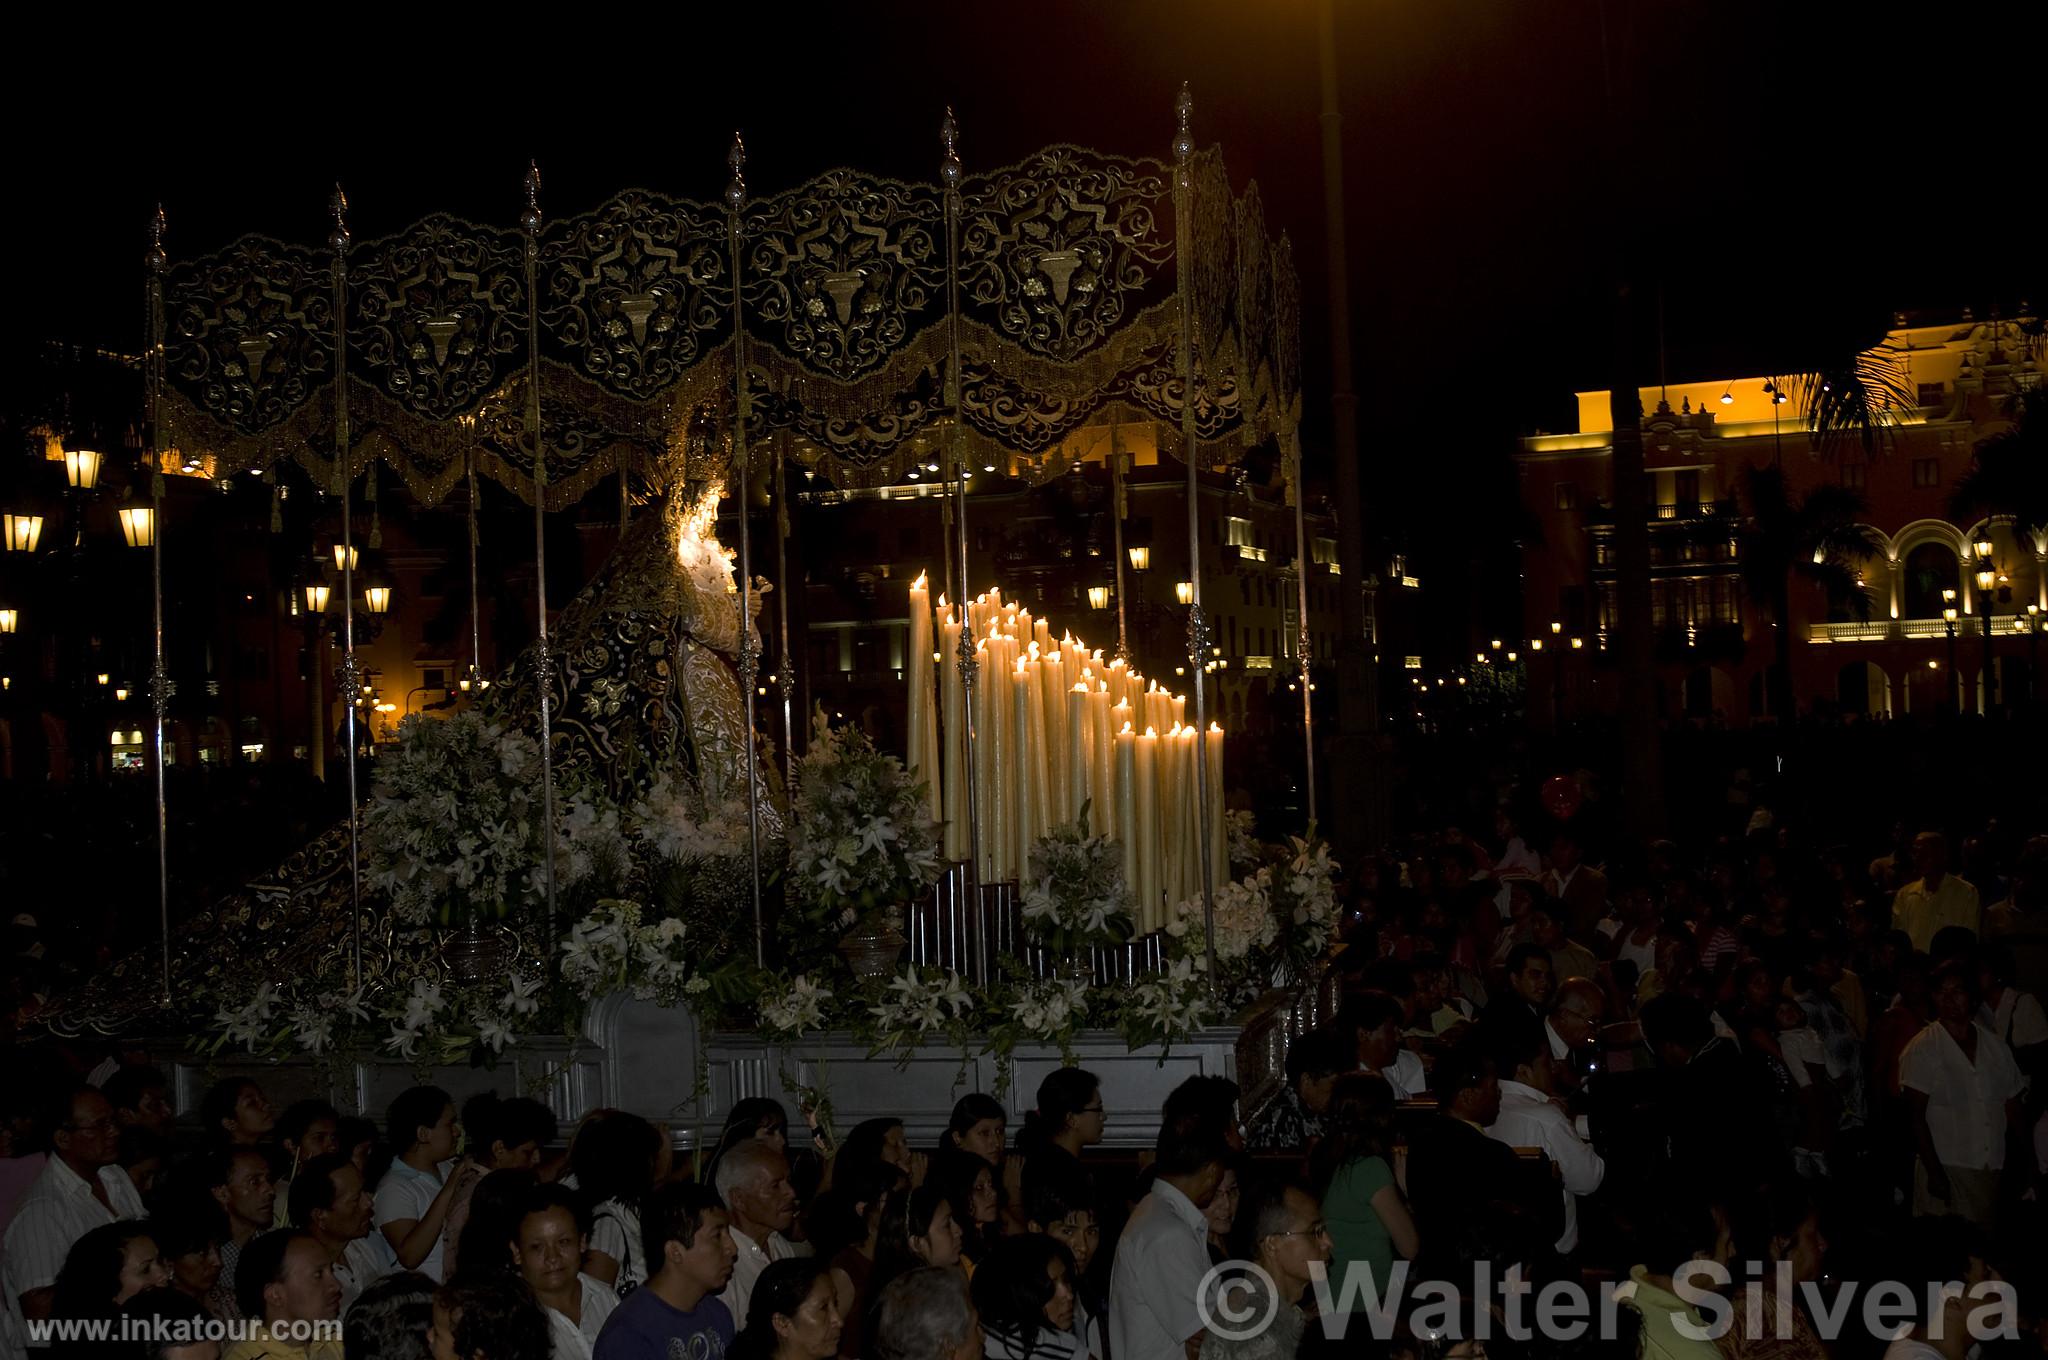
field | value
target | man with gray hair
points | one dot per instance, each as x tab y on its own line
753	1181
926	1314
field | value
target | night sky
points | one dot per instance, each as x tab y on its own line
1790	174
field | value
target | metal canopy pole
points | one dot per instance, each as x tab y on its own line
351	676
1303	644
159	679
949	176
543	658
735	199
1198	623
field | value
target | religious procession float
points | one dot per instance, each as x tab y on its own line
605	880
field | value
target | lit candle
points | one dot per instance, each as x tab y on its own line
1217	843
924	719
956	739
1126	825
1145	798
1078	787
1101	761
1022	797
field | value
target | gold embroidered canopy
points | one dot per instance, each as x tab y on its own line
1068	316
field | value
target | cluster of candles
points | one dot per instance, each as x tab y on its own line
1058	729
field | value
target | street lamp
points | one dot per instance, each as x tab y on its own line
138	525
1555	627
316	597
20	532
9	620
1141	559
1098	597
1987	582
1948	617
345	557
1184	591
377	599
82	469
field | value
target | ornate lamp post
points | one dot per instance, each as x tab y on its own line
1987	585
1948	618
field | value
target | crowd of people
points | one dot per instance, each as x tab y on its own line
1795	1064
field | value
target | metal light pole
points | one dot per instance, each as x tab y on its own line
735	199
1987	585
159	680
543	656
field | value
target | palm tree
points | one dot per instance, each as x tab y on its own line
1817	538
2010	473
1860	397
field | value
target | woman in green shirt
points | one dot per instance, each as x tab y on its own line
1354	1167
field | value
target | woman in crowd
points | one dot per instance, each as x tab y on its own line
969	1183
617	1158
1025	1294
927	1315
1069	1117
104	1269
504	1135
413	1198
234	1111
918	1229
488	1316
1221	1211
1368	1218
548	1243
390	1319
980	1125
1063	1208
494	1211
189	1241
793	1314
844	1226
881	1140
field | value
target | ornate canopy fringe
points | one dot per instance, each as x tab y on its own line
1068	318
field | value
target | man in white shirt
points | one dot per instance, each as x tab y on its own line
753	1180
80	1189
1937	898
330	1201
1531	1115
1163	1255
1964	1088
2015	1016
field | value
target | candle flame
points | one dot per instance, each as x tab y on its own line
918	584
1124	731
1215	729
1078	688
1151	731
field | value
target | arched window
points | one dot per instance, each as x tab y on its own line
1929	569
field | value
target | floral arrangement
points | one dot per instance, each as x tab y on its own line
918	1005
1168	1006
611	950
454	829
1076	895
675	820
794	1009
1027	1010
1241	827
861	838
1244	918
1305	901
424	1020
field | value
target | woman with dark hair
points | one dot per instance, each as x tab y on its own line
793	1314
1221	1212
1353	1169
107	1267
170	1312
504	1135
548	1244
918	1229
617	1159
1025	1293
413	1200
844	1225
233	1110
969	1183
488	1317
881	1140
189	1241
1069	1118
980	1125
494	1211
390	1320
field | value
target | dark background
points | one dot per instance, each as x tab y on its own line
1789	174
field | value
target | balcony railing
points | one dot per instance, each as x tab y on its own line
1897	630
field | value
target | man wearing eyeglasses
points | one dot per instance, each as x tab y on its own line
81	1188
1280	1229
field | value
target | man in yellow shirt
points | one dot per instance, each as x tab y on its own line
1937	899
1680	1243
286	1278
